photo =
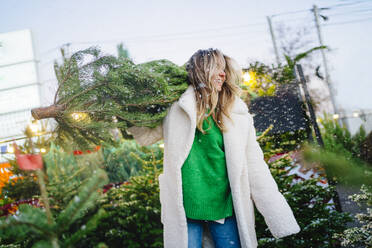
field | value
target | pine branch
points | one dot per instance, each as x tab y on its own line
62	83
82	200
84	92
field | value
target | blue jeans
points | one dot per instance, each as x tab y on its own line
224	235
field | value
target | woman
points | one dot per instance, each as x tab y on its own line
213	166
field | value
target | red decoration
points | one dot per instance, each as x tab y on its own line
28	161
111	185
78	152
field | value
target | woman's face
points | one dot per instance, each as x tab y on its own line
220	77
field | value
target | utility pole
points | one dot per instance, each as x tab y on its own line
327	77
273	39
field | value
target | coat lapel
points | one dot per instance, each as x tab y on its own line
187	102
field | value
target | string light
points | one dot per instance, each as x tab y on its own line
33	127
79	116
10	149
246	76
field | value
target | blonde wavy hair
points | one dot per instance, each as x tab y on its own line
202	69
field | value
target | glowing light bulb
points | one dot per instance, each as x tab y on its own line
246	76
10	149
34	127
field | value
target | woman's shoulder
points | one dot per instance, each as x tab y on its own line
239	106
173	106
171	110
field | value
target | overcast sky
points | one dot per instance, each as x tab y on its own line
176	29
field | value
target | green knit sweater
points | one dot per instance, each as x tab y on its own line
205	184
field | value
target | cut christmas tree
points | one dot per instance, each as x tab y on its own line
98	93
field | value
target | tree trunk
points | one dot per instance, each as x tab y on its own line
47	112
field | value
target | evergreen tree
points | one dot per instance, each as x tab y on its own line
133	213
127	159
73	189
98	93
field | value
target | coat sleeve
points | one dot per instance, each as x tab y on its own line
146	136
264	190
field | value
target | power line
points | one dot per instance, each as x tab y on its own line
322	8
341	5
352	0
146	37
235	34
194	34
174	38
163	36
347	22
290	12
206	30
294	19
350	12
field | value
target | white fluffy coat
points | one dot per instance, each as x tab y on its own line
249	175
